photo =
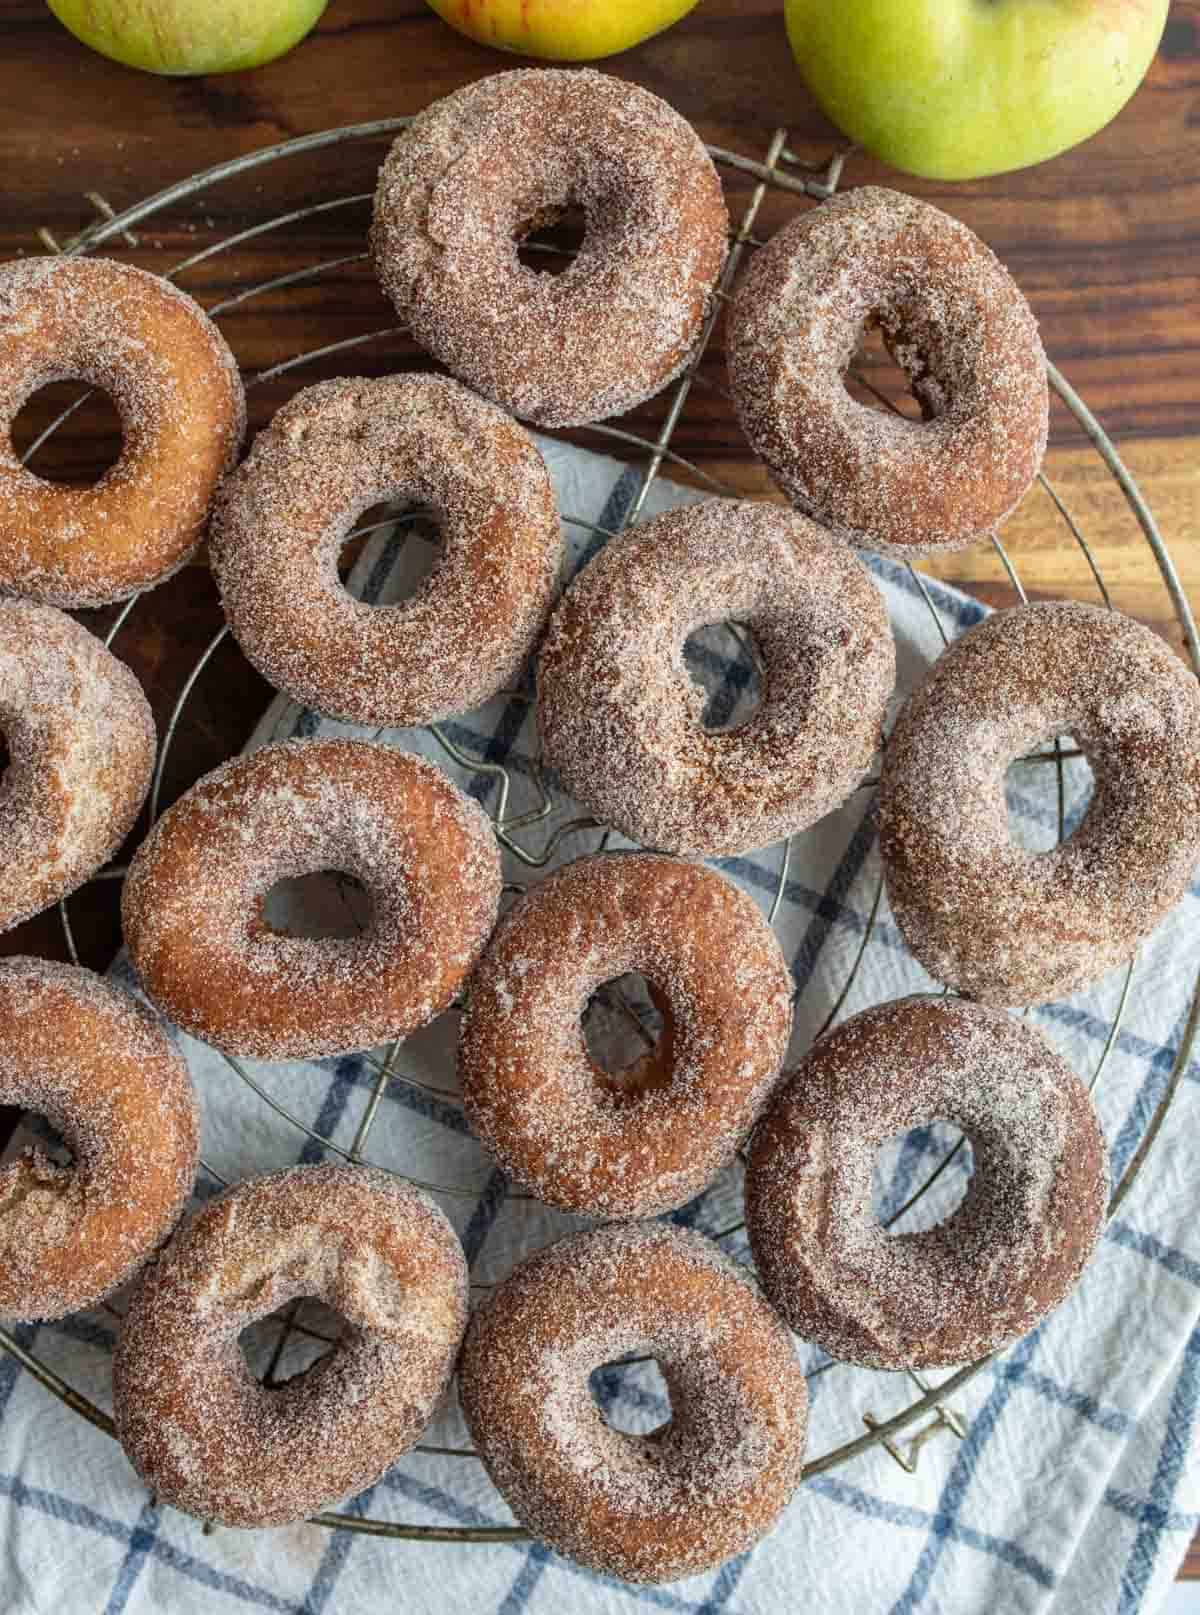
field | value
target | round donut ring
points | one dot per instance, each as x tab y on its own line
620	717
281	519
1012	1250
81	741
177	391
955	322
991	919
703	1486
196	1424
652	1137
192	908
97	1065
499	158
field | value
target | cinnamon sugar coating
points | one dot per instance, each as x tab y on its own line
81	741
654	1136
196	1424
1012	1250
998	922
97	1065
620	717
177	391
955	322
702	1487
280	521
192	904
477	171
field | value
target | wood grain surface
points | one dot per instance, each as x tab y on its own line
1105	240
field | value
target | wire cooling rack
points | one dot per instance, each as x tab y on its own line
782	170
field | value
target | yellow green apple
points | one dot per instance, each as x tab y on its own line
954	89
189	36
562	30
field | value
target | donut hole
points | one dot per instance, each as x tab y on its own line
408	556
623	1033
286	1343
874	379
37	1163
95	436
632	1398
326	905
905	1167
1031	795
549	243
39	1135
726	664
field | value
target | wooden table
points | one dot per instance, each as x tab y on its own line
1105	241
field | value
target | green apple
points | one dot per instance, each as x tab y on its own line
954	89
189	36
561	30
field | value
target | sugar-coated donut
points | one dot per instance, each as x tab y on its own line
176	388
955	322
1010	1252
96	1064
991	919
703	1486
620	718
653	1136
81	744
280	521
197	1425
476	172
192	907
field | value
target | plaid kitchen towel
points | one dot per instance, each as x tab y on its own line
1069	1484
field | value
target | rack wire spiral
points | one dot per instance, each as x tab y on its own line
783	169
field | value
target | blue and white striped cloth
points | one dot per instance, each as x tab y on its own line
1074	1488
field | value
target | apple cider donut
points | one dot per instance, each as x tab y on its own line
957	325
192	907
197	1425
620	717
97	1065
992	919
702	1487
1012	1250
178	394
281	520
653	1136
479	170
81	745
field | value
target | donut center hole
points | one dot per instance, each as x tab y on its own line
327	905
921	1177
287	1342
87	445
1036	811
37	1162
875	380
726	665
31	1135
550	242
407	547
632	1397
622	1028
